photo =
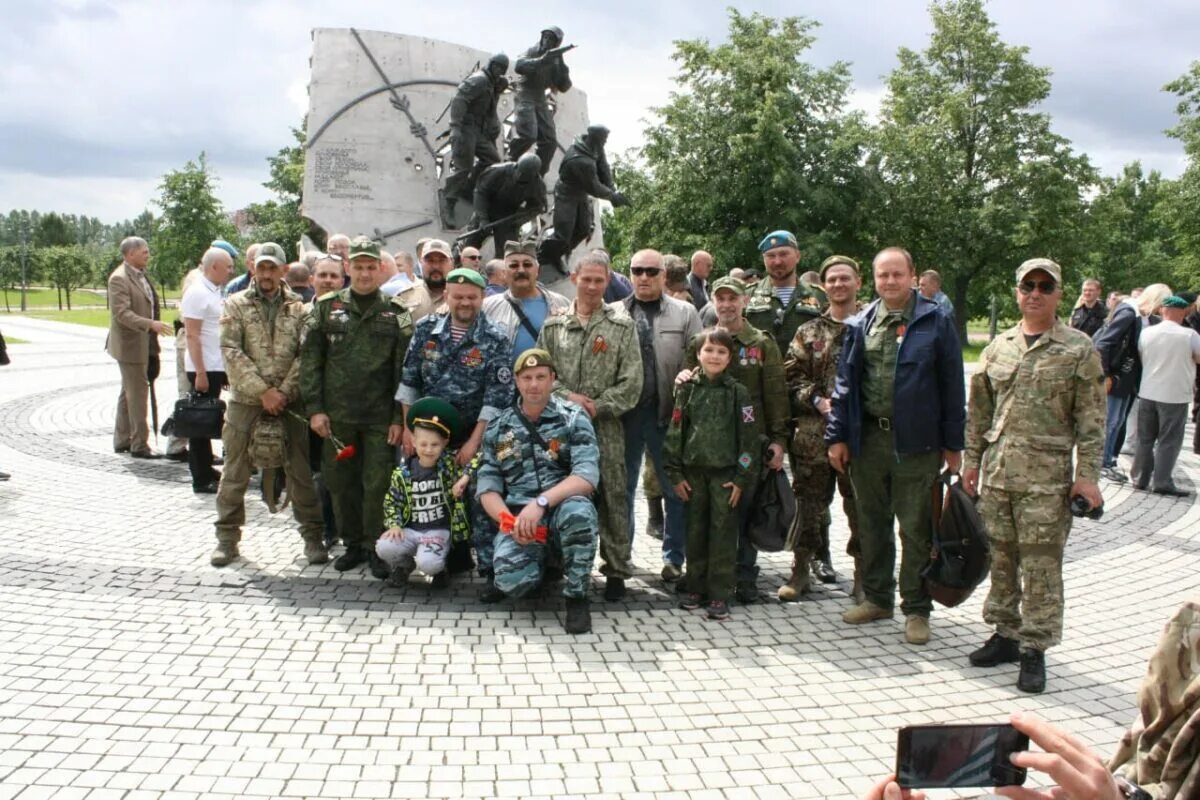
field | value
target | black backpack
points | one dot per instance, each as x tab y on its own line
962	552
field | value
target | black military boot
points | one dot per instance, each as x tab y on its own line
654	525
579	615
614	588
746	592
489	593
379	567
1033	671
997	650
354	555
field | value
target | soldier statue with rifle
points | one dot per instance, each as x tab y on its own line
506	197
539	71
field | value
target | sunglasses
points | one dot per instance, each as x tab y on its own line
644	271
1045	287
470	258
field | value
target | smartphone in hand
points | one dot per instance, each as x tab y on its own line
954	756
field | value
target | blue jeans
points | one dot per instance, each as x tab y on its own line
643	434
1114	427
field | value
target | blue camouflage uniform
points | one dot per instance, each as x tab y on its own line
519	468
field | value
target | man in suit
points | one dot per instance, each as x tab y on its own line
702	264
133	341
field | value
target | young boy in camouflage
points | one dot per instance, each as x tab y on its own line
709	469
424	508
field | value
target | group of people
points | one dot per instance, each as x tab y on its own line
517	423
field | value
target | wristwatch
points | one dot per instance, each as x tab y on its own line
543	502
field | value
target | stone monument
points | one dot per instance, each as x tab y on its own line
378	149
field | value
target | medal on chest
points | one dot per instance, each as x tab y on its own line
431	351
599	345
900	334
505	445
552	448
472	359
818	348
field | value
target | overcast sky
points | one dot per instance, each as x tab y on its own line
101	98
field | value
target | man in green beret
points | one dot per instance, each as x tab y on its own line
540	464
757	365
352	358
811	370
599	367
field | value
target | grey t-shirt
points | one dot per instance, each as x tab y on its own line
430	512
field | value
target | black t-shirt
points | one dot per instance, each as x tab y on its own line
643	313
1031	338
430	511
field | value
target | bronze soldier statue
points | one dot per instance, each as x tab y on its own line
506	196
539	70
475	127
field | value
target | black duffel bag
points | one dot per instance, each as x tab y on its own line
962	551
198	416
773	514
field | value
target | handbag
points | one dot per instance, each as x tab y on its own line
198	416
773	516
962	552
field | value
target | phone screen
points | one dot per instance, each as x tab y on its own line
951	756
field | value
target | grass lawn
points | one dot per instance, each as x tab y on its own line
972	350
47	298
96	317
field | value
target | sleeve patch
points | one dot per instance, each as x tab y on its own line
744	461
747	413
504	375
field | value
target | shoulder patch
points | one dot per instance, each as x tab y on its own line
747	413
504	375
744	461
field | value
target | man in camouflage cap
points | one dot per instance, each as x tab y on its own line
261	330
1037	396
541	464
354	349
599	367
811	370
779	304
757	365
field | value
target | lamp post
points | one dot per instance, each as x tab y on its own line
24	261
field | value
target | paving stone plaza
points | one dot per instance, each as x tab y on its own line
131	668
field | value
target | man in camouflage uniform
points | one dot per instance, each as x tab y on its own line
260	342
1036	395
779	304
541	463
757	365
599	367
811	369
353	352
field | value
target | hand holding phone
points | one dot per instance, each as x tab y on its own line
954	756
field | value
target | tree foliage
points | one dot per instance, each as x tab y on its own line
1181	205
754	139
191	218
974	179
278	220
1129	239
67	267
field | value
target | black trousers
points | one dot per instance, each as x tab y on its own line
200	454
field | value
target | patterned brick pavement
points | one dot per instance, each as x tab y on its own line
130	668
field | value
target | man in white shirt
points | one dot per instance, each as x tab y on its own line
1169	353
201	311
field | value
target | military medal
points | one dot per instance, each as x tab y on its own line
599	345
552	449
431	353
472	359
900	333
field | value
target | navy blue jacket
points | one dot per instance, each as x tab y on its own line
1117	344
930	392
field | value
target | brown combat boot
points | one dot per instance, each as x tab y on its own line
856	591
315	551
225	554
798	584
866	611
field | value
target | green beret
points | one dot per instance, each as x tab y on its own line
1175	301
465	275
533	357
437	414
364	246
834	261
777	239
732	284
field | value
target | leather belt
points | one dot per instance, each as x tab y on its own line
883	423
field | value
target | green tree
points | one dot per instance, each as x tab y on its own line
66	267
974	180
278	220
191	218
52	231
1128	235
10	272
754	138
1181	207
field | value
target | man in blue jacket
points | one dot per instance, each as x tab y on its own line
897	412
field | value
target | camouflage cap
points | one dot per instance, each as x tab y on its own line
533	357
466	275
364	246
1175	301
525	247
777	239
732	284
437	246
834	261
436	414
1044	264
269	251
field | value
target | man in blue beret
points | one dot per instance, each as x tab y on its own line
779	304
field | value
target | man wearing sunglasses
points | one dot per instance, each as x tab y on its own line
1037	396
665	326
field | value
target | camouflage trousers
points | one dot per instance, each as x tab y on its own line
1028	533
231	492
572	526
713	529
358	484
814	483
612	505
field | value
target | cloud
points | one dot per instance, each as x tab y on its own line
102	98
